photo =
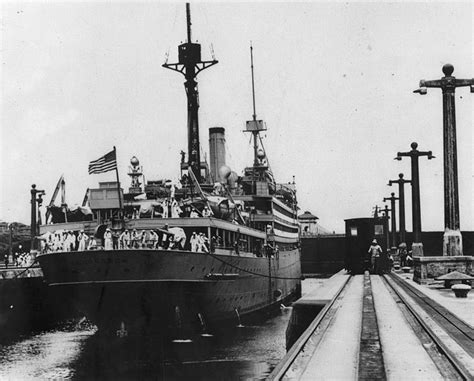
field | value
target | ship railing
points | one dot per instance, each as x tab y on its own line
137	244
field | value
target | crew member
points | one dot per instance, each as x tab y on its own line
124	239
194	242
154	239
375	251
108	244
82	238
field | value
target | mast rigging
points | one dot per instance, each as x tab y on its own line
190	64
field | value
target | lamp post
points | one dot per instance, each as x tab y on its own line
376	211
386	218
452	239
401	204
414	154
394	218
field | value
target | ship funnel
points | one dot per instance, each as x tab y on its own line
216	151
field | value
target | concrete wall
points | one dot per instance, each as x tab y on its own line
433	243
322	254
428	268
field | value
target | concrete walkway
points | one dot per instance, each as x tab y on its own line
338	355
463	308
404	356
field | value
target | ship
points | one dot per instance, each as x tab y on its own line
180	256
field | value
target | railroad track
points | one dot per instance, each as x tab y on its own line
447	339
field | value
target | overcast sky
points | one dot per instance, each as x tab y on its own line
334	85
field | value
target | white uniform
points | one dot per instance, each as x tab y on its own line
200	243
124	240
82	238
65	242
175	209
154	239
92	244
72	241
194	242
108	243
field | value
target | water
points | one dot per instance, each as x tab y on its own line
78	352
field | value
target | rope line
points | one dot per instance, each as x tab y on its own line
29	267
251	272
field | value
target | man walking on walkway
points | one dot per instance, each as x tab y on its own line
375	251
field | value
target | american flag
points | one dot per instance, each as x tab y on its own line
106	163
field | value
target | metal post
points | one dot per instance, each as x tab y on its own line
34	228
414	154
10	241
376	211
386	218
393	217
33	214
452	240
401	204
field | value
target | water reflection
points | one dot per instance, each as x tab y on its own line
43	356
248	352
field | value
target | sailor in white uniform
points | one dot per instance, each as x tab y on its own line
165	208
154	239
82	238
72	241
194	242
108	243
175	209
124	239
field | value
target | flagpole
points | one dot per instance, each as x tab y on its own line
118	183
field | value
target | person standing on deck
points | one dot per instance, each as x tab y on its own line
206	212
165	208
146	239
72	241
64	242
108	244
82	238
375	251
124	239
133	239
194	242
154	239
175	209
92	244
200	243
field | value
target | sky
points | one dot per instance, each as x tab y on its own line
334	84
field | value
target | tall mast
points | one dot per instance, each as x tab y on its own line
190	64
254	126
188	21
253	82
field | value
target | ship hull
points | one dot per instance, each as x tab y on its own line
178	293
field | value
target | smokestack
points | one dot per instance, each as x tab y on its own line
216	150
